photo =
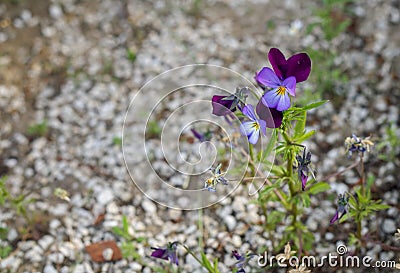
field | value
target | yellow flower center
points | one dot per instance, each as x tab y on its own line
281	90
256	126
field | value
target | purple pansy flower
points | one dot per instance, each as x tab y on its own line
272	117
217	177
304	168
252	128
242	260
168	253
278	97
225	105
298	65
343	208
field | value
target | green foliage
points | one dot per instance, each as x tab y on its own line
5	250
117	141
211	267
153	129
128	248
389	147
333	19
131	55
38	130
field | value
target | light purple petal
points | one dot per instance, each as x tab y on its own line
268	78
253	138
247	128
263	126
271	99
299	66
278	62
248	110
290	85
283	103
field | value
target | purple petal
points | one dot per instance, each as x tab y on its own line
272	117
267	77
220	106
271	98
159	253
247	128
303	181
283	103
278	62
253	138
173	258
299	66
263	126
290	85
248	110
334	219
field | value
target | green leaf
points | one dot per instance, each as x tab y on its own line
304	137
314	105
318	187
306	200
206	262
271	145
300	125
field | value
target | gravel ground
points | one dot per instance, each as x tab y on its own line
76	65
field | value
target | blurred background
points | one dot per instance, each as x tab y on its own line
69	68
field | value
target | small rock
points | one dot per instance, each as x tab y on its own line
57	258
55	11
12	235
49	268
107	254
149	207
230	222
389	226
46	241
105	196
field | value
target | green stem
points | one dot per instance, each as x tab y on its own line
191	253
252	166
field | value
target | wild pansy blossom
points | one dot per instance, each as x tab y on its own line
278	97
300	269
397	235
217	177
168	253
242	260
343	208
298	66
304	168
224	105
357	144
252	128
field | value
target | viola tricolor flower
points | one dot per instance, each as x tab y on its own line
278	97
288	253
343	208
242	260
304	168
282	84
168	253
224	105
357	144
252	128
217	177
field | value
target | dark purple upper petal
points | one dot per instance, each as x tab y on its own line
160	253
299	66
272	117
220	106
278	62
303	178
